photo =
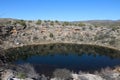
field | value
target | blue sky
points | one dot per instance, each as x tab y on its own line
63	10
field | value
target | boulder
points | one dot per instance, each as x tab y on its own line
86	77
7	75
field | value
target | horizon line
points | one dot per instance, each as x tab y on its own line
62	20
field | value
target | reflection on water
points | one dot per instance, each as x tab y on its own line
71	56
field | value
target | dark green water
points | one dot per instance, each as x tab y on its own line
74	57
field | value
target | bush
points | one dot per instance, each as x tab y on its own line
26	70
52	23
81	24
51	35
15	23
22	22
114	28
109	74
66	23
35	38
56	21
63	74
21	75
39	22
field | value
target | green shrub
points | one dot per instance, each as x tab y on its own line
62	74
114	28
81	24
15	23
56	21
39	22
65	23
51	35
21	75
52	23
21	22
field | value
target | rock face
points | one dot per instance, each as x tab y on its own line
15	33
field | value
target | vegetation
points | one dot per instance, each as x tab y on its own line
56	21
35	38
30	21
14	23
45	21
21	75
65	23
52	23
22	22
39	22
6	23
1	24
115	28
51	35
26	70
62	74
81	24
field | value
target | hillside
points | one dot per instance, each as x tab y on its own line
15	32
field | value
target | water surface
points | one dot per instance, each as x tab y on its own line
47	58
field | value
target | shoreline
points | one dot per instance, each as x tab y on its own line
78	43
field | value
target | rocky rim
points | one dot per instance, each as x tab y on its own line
15	33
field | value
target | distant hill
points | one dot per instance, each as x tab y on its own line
105	23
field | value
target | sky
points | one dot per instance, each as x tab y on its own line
63	10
